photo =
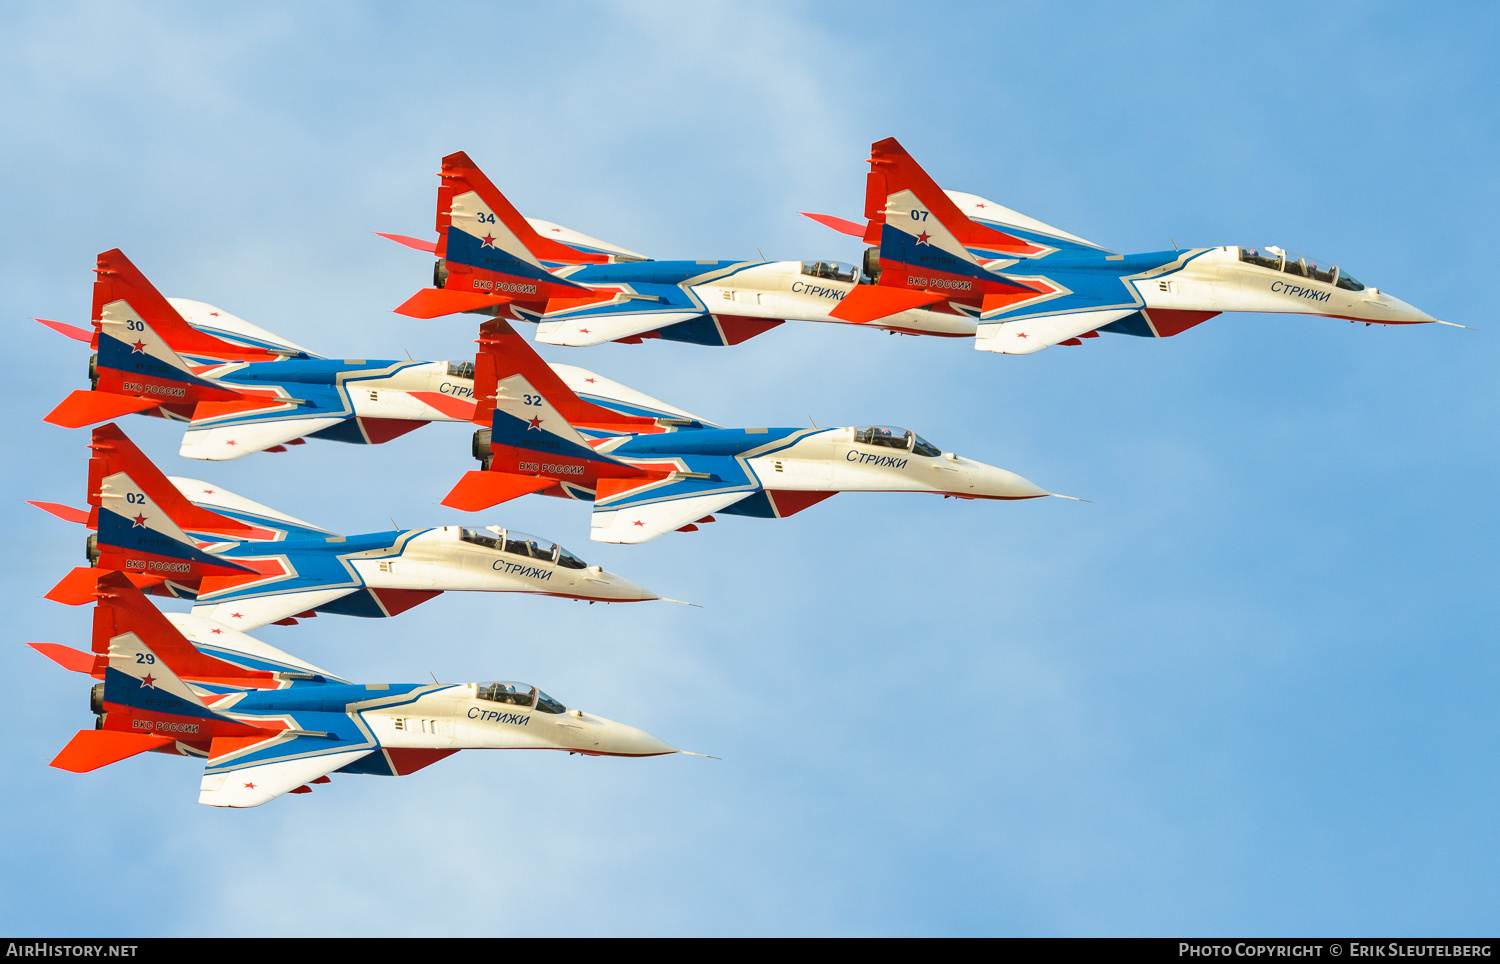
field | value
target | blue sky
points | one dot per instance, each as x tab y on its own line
1249	689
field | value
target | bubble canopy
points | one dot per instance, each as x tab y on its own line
512	693
896	437
521	543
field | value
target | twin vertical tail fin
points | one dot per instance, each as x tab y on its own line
490	255
139	336
531	437
926	245
146	702
142	524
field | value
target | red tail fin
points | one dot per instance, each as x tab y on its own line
122	609
461	175
120	280
503	353
893	170
114	452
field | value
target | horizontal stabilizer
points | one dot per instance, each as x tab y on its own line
82	408
480	490
67	657
64	512
842	226
410	242
872	302
78	587
92	749
1027	335
85	335
436	302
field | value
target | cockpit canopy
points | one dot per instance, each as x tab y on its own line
833	270
461	369
1290	262
517	694
895	437
520	543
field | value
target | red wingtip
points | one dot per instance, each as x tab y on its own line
842	226
429	246
85	335
64	512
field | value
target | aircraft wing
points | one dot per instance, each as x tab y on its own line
223	442
595	388
584	330
645	521
258	611
304	759
1023	336
218	499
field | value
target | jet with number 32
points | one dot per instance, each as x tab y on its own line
650	469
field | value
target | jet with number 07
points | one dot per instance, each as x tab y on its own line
650	469
266	723
1021	285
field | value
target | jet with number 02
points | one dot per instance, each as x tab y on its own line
245	565
1021	285
266	723
650	469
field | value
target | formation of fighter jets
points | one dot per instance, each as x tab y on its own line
265	722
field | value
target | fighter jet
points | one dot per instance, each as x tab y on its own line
650	469
240	388
582	291
1025	285
267	723
246	565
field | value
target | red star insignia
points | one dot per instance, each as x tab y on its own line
249	786
1022	334
148	682
585	331
640	523
208	491
216	630
489	240
924	238
589	380
535	423
979	205
215	314
139	521
138	347
236	616
229	442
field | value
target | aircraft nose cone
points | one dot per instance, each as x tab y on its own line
612	588
628	741
989	482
